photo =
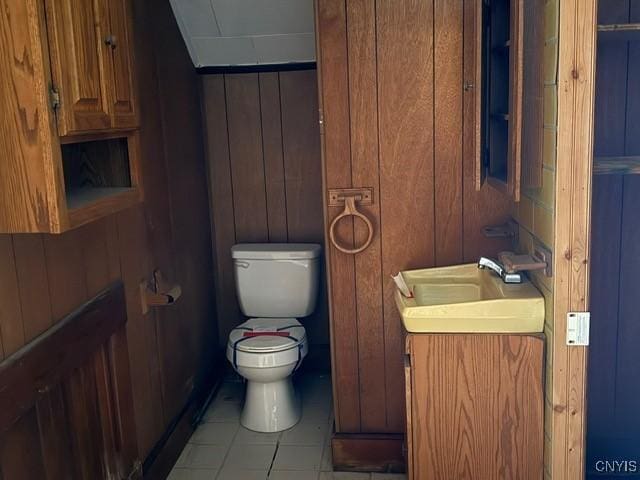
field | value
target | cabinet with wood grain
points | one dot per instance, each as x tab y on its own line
474	406
69	130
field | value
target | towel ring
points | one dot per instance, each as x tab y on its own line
350	210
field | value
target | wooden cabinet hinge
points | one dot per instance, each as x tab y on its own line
54	97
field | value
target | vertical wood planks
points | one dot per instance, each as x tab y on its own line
301	148
272	145
247	162
448	127
333	54
221	201
605	284
363	101
11	324
576	67
19	455
65	272
33	286
406	122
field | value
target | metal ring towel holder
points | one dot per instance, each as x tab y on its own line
350	210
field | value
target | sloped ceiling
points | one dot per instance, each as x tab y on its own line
246	32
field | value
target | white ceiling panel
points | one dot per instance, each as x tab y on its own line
197	17
224	51
245	32
263	17
285	48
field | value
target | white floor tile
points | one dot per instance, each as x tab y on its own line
182	459
192	474
236	474
291	457
214	434
250	457
293	475
205	456
316	413
221	411
249	437
343	476
231	392
305	434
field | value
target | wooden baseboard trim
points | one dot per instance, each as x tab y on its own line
359	452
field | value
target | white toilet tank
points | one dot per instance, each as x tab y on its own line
277	279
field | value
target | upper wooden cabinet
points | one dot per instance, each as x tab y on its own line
68	130
509	66
91	65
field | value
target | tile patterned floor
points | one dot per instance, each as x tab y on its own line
221	449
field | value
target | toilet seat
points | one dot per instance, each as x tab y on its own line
267	342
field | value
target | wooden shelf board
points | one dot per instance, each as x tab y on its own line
625	165
88	204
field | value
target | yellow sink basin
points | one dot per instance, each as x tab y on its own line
466	299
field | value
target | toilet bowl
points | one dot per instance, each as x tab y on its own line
276	284
259	352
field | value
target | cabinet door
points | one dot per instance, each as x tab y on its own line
120	36
77	30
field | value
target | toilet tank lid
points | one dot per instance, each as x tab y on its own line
275	251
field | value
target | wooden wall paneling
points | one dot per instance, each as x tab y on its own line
333	55
19	453
301	149
153	161
363	101
302	175
82	402
406	126
627	374
221	203
448	130
576	79
271	120
65	272
247	162
146	387
11	323
605	284
187	336
33	286
486	206
55	438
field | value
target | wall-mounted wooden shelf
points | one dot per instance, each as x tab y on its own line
625	165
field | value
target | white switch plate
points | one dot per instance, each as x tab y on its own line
578	328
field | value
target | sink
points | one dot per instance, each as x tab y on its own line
466	299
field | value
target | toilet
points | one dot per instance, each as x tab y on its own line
276	284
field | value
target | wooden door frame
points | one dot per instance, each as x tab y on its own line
576	86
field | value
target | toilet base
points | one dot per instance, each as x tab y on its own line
271	407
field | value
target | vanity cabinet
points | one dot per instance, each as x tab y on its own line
475	406
69	129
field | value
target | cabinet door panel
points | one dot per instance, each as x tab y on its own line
77	29
123	98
